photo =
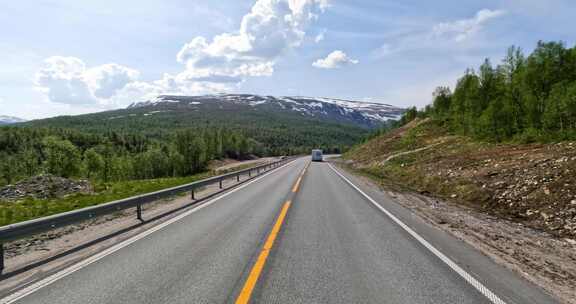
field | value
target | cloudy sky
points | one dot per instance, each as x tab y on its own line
69	57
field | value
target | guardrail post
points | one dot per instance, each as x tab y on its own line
249	172
139	212
192	195
220	183
238	177
1	258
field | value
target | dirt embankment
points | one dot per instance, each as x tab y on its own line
533	184
517	203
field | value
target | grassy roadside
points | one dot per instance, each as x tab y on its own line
27	209
412	159
416	172
14	212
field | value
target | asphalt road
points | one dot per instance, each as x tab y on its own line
332	246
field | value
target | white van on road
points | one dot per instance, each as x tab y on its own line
317	155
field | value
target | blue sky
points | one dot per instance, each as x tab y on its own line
69	57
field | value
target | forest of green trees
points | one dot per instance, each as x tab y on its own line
114	156
174	142
524	98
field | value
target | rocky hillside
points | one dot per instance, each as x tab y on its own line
533	184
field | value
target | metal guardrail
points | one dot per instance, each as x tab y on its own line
44	224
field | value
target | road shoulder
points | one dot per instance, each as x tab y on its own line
484	244
34	258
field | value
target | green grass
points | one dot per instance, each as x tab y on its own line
410	178
416	171
14	212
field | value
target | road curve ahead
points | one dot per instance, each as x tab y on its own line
301	234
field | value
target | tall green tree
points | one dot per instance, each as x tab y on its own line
528	98
62	157
94	162
8	167
442	102
30	161
464	109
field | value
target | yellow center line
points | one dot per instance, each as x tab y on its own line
299	180
246	292
297	184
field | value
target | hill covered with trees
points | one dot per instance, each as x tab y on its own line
115	155
283	125
525	98
502	142
178	136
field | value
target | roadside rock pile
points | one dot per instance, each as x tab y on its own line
527	183
44	187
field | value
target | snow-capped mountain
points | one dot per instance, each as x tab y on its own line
7	120
367	114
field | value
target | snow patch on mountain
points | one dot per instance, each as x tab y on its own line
370	114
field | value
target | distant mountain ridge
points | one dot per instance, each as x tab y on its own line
282	124
7	120
363	114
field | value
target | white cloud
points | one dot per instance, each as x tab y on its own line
272	28
463	29
442	36
384	50
66	80
336	59
320	36
168	85
107	79
62	80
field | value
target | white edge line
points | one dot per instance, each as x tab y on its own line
466	276
71	269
